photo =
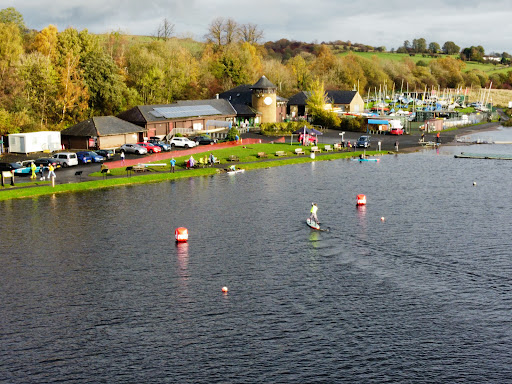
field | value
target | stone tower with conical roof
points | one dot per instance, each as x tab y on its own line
264	100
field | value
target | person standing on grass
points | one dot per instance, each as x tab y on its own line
173	165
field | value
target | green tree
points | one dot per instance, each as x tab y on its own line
40	81
419	45
12	16
450	48
316	104
434	47
11	47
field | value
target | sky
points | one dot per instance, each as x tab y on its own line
377	23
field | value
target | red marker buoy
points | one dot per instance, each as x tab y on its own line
181	234
361	200
224	289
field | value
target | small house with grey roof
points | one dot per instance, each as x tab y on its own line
101	132
340	101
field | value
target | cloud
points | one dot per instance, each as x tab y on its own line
470	22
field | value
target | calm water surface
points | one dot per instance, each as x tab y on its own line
94	289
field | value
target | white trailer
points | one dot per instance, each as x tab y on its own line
34	142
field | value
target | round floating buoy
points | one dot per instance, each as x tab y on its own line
225	289
361	199
382	218
474	183
181	234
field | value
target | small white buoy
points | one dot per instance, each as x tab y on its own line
382	218
474	183
224	289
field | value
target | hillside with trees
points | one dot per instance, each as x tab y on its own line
52	79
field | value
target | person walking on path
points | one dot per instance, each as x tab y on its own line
50	171
438	138
41	171
173	165
33	169
122	157
396	145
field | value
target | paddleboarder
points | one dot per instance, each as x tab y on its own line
313	211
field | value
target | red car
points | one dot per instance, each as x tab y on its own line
396	131
150	147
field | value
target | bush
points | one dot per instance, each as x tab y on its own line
355	124
278	129
232	134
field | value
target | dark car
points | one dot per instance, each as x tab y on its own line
45	161
363	142
204	140
161	144
106	153
94	156
10	167
83	157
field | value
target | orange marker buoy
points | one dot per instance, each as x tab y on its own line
224	289
181	234
361	199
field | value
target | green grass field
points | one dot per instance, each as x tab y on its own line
487	68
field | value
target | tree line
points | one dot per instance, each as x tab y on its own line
52	79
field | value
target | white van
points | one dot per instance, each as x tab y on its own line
66	159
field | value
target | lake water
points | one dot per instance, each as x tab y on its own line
94	288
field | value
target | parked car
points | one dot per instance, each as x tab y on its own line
16	168
83	157
396	131
66	159
95	158
183	142
45	161
161	144
150	147
204	140
106	153
363	142
133	148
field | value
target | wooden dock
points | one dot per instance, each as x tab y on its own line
486	156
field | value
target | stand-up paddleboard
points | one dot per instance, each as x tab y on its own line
235	172
312	224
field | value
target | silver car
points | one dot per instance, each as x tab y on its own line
133	148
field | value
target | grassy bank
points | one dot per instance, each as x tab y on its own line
248	161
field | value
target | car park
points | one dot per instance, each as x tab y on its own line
95	158
150	147
133	148
66	159
106	153
183	142
363	142
204	140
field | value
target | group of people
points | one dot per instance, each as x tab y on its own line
33	168
191	162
